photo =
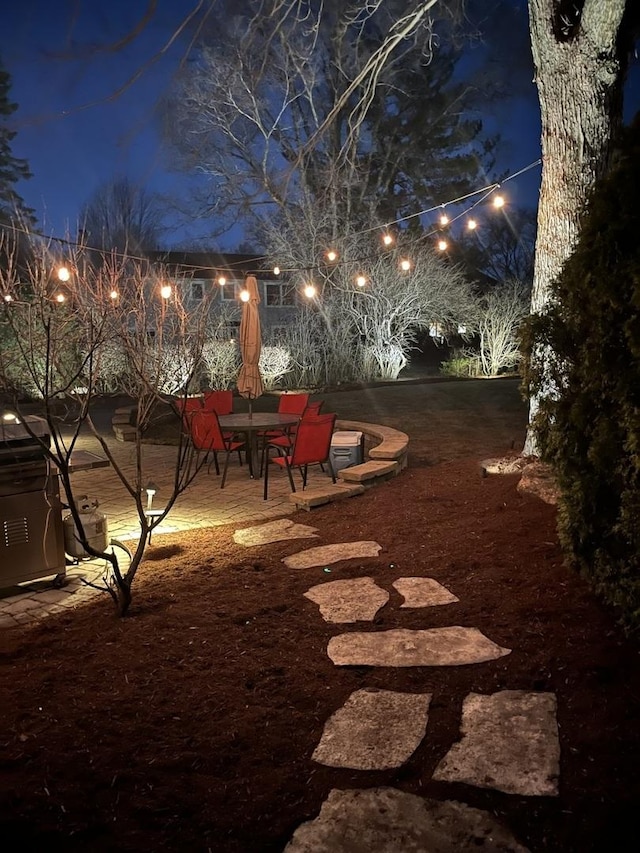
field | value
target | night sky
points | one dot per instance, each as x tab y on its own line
76	132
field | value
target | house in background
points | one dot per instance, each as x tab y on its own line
223	276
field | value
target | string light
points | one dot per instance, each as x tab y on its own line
222	280
361	280
245	296
114	294
309	291
60	298
497	200
472	224
165	291
405	264
8	297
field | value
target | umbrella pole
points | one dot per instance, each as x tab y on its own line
250	412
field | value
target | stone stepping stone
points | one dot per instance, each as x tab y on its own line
348	600
273	531
509	742
374	730
423	592
324	555
386	820
451	646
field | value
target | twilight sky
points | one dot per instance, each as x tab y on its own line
77	132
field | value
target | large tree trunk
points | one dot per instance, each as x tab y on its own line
579	74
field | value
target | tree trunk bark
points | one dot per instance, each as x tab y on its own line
579	75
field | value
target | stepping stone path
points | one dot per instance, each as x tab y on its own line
433	647
274	531
385	820
348	600
509	740
423	592
374	730
324	555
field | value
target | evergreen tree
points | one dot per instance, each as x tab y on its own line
12	169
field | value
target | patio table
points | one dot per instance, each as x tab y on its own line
251	425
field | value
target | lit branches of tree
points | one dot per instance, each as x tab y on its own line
61	352
580	50
366	330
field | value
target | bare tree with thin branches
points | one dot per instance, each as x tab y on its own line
54	341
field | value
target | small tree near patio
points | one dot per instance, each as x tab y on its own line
57	341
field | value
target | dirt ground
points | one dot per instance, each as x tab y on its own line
189	726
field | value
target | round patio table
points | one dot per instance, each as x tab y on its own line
251	425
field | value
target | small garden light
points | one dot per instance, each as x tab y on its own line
150	489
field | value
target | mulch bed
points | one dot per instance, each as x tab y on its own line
190	724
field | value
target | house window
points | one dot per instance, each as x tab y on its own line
278	293
230	292
196	292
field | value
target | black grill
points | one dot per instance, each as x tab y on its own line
31	534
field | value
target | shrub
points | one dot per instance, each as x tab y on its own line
588	424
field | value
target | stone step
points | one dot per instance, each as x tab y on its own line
123	432
319	495
369	471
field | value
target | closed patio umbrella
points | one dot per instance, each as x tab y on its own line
249	380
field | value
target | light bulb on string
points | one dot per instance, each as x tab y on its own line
276	270
222	280
387	239
332	255
444	219
8	297
443	245
60	298
472	224
114	295
245	296
165	291
64	274
405	264
498	201
309	291
361	280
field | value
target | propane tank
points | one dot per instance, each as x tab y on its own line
95	529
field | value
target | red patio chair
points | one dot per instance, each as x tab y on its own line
285	439
207	437
288	404
220	402
312	446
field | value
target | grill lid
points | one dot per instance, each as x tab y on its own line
17	443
